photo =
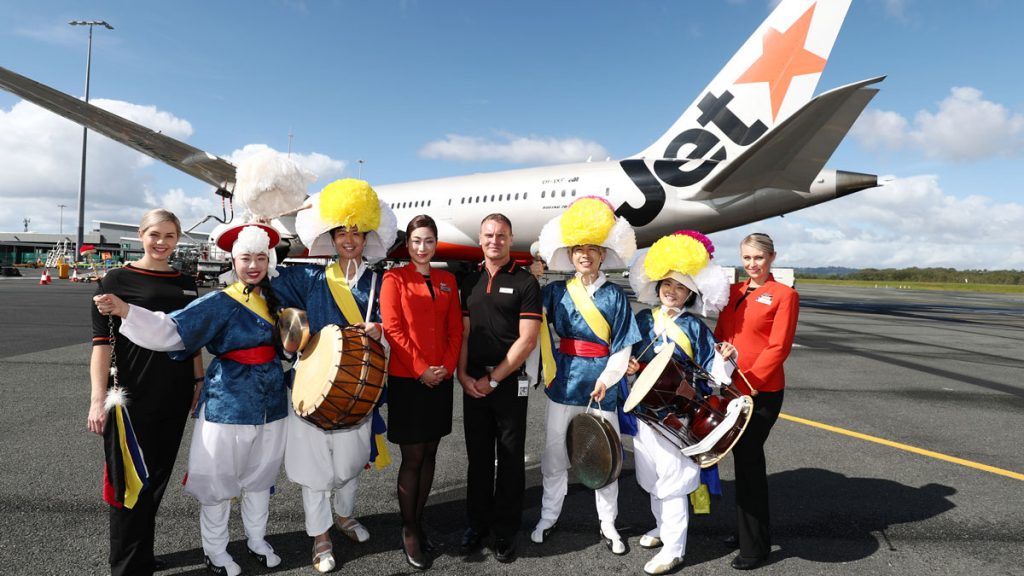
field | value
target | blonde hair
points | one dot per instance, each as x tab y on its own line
762	242
158	216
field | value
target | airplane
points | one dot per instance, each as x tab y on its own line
752	145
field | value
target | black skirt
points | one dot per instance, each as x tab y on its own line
416	413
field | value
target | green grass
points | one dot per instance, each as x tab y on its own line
989	288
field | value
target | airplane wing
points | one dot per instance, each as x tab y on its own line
790	156
190	160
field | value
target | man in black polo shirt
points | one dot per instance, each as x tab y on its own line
501	313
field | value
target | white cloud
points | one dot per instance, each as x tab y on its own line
909	222
965	128
40	159
514	149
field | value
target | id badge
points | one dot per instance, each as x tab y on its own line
524	386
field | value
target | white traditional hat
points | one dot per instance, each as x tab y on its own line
684	256
588	220
353	204
248	238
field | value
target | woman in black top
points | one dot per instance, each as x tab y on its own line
159	390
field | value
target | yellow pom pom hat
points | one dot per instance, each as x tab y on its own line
588	220
353	204
684	256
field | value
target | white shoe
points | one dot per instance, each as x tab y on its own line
264	553
612	539
227	567
351	528
650	541
540	533
662	563
323	557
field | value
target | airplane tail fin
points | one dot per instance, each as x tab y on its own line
773	75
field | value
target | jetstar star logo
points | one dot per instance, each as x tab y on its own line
784	57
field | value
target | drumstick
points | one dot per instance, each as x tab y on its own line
742	375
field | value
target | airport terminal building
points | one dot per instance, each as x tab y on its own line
115	243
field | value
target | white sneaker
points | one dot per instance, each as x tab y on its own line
612	539
226	567
662	563
650	541
540	533
264	553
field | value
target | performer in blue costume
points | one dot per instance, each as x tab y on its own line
347	220
238	441
676	273
596	330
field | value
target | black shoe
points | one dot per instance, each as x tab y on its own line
471	541
746	563
159	564
731	542
426	544
505	550
416	558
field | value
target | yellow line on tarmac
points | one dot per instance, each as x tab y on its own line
906	447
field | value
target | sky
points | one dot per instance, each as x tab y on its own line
394	91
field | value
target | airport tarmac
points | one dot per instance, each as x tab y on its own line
935	375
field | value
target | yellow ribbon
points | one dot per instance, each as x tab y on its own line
588	310
674	331
253	301
132	480
342	294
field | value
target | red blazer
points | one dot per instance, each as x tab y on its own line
761	326
422	332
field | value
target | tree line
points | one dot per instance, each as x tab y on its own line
943	275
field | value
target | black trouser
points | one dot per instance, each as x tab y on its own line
132	530
496	424
753	529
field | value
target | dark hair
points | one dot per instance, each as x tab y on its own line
421	221
690	300
498	217
273	304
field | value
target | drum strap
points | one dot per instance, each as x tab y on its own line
342	294
673	330
252	301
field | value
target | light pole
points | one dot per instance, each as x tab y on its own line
85	131
360	168
62	207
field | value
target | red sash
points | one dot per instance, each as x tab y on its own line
257	355
582	348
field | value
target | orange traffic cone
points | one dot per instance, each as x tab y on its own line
42	278
74	275
49	279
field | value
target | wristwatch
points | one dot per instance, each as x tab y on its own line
493	383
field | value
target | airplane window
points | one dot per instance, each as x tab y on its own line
524	195
607	191
517	195
563	193
492	197
462	200
542	193
477	198
574	192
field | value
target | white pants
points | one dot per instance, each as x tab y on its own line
323	461
226	459
668	476
213	524
554	465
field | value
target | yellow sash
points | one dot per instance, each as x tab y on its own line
342	293
589	310
547	357
674	331
253	301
